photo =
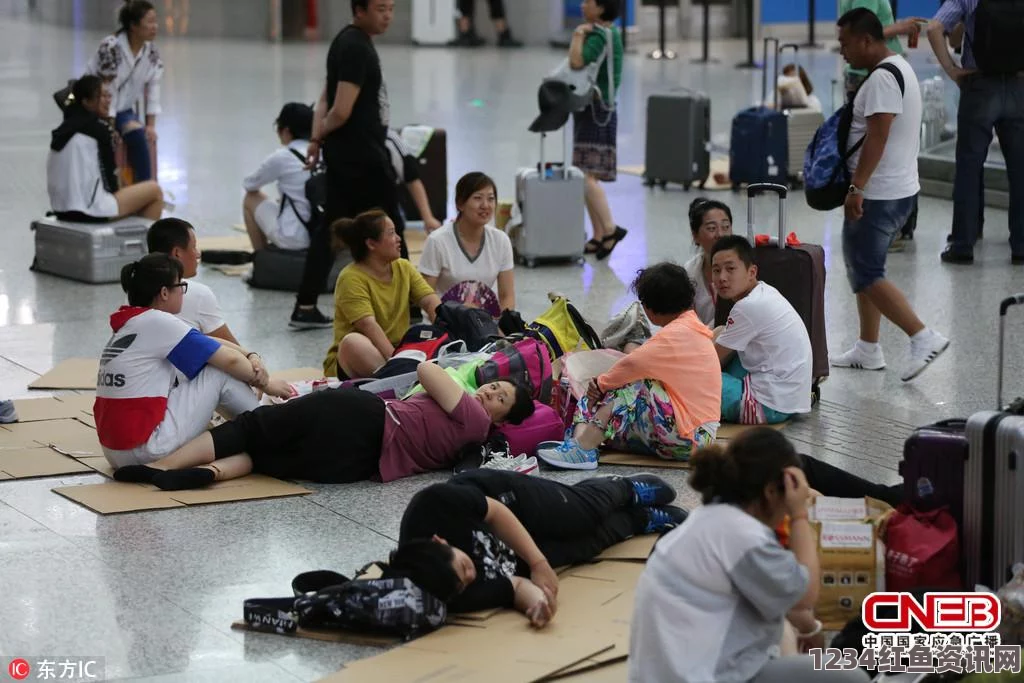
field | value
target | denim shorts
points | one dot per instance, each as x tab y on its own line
866	241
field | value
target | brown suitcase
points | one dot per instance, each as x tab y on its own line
797	272
434	174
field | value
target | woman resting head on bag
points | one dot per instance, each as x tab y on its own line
341	435
373	296
489	538
713	596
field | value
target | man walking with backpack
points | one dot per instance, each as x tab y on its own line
883	142
991	84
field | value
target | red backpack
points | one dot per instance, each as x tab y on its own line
527	361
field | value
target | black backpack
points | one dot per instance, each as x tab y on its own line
316	195
326	600
995	42
475	326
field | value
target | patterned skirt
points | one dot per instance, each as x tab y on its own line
594	144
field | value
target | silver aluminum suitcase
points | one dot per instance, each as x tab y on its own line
89	252
678	148
993	528
550	200
802	125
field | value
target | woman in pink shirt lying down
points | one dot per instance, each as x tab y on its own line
664	397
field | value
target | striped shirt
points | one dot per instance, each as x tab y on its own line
953	12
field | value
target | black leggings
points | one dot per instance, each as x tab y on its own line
832	481
570	524
332	436
467	8
350	191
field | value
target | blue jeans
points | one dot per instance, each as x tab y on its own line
866	241
988	102
136	146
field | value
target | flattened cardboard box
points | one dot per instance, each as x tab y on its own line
114	497
40	461
49	408
46	448
73	373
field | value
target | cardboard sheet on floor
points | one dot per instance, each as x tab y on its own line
37	461
615	670
114	497
725	432
349	637
636	549
49	408
70	436
82	401
730	431
225	243
298	374
414	241
73	373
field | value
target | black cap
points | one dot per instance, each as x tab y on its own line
555	101
298	118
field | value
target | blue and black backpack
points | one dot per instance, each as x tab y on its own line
826	172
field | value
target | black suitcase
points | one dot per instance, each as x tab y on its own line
678	139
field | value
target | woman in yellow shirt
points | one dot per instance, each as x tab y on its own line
372	296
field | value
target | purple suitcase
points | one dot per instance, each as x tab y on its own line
933	467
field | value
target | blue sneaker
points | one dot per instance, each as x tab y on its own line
662	519
7	412
567	455
650	490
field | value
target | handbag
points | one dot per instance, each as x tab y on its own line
563	329
583	82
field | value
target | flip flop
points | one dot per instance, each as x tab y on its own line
616	237
592	246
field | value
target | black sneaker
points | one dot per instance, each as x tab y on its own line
309	319
505	39
650	490
950	256
467	39
1015	259
662	519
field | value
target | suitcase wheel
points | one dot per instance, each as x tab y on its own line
649	182
531	263
663	184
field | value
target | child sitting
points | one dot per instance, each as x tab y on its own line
764	347
663	397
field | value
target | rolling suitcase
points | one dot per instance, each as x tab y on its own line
678	139
89	252
801	125
434	175
798	272
759	145
433	22
550	200
933	467
993	527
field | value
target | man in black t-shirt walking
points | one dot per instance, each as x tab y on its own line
350	128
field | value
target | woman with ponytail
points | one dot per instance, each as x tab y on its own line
712	599
373	296
709	220
131	64
159	380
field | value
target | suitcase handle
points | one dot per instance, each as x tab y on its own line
1004	306
756	189
764	74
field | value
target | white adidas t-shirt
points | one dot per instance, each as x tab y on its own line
895	177
773	345
138	368
445	258
711	601
199	308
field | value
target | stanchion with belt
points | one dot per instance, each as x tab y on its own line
750	63
705	36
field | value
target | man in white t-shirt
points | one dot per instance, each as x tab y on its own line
884	142
199	309
764	346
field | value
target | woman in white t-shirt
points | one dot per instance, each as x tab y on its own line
159	379
284	224
713	598
468	248
709	220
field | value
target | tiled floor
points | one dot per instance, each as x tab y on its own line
155	592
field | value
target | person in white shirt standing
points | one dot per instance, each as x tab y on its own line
199	308
285	224
884	141
764	347
129	61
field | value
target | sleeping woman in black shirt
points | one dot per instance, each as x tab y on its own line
490	538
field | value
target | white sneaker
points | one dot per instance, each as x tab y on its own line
923	352
528	466
859	358
614	335
503	462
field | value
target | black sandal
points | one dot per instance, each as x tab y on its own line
592	246
616	237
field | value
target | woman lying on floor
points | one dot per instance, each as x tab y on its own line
159	380
664	397
711	601
342	435
490	538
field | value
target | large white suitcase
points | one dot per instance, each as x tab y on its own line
802	124
550	201
433	22
89	252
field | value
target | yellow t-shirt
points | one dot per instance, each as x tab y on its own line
357	294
